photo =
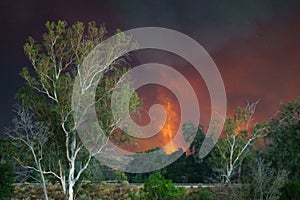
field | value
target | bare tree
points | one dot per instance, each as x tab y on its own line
33	135
240	134
266	181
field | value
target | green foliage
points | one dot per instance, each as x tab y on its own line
97	172
158	188
266	180
137	178
188	169
6	181
120	176
55	62
284	139
202	195
125	183
291	190
195	136
136	196
230	151
153	161
7	149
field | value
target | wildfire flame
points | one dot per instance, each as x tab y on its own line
169	129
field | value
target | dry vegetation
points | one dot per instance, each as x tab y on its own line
84	191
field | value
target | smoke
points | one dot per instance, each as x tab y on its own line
212	23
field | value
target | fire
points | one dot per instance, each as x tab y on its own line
169	129
170	148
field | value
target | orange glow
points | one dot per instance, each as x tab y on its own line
240	127
170	148
169	129
168	126
243	126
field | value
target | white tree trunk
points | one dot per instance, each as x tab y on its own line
71	179
71	191
43	182
63	185
40	170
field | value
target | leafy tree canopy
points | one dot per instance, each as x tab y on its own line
284	136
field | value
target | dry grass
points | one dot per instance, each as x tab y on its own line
84	191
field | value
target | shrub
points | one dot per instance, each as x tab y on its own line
6	181
158	188
291	190
125	183
267	181
120	176
136	196
202	195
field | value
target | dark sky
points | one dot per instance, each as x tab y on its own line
255	44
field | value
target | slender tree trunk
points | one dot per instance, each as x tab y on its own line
39	167
63	184
71	191
43	183
229	174
71	179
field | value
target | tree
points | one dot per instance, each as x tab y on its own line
199	169
56	62
266	180
157	187
196	134
154	161
283	138
33	135
240	134
6	180
188	170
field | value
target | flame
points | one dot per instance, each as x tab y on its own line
171	148
169	129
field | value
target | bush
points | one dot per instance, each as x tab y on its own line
6	181
158	188
120	176
291	190
267	181
125	183
202	195
136	196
